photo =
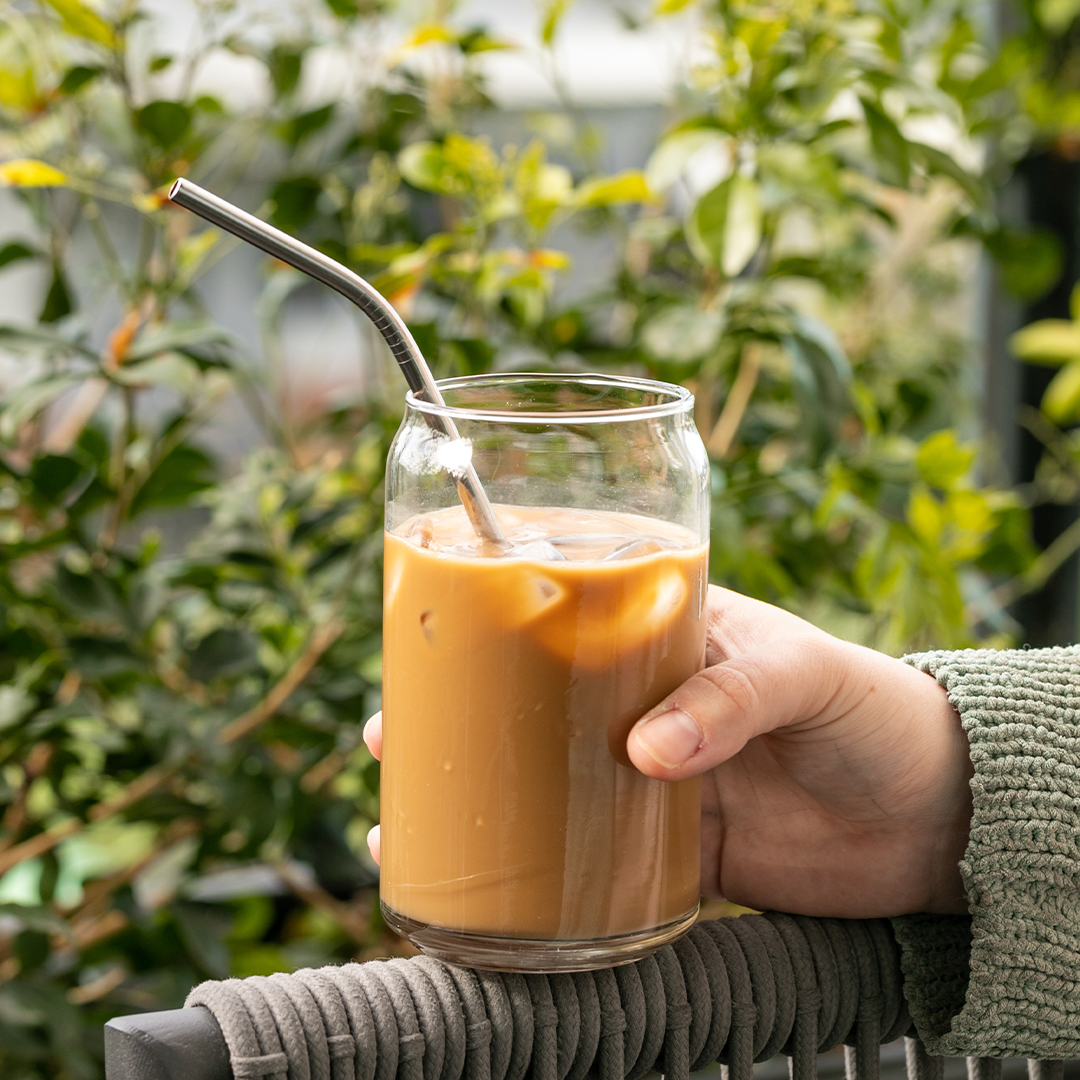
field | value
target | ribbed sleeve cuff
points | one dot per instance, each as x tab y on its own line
1006	982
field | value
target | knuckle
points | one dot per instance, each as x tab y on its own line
734	684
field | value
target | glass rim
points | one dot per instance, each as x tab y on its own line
679	399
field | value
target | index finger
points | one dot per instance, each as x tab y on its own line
373	735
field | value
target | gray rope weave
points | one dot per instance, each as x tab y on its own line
731	990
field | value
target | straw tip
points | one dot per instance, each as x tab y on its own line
177	185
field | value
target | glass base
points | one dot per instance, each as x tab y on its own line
532	954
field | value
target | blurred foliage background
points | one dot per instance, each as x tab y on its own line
188	649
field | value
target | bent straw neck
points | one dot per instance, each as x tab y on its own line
369	300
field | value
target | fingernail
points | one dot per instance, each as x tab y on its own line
671	738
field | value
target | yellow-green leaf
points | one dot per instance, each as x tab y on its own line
628	186
27	172
83	22
942	461
17	88
1061	402
425	34
554	10
1074	302
971	511
1048	341
925	515
670	7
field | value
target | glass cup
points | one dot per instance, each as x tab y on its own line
516	835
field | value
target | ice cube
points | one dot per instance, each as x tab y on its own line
605	623
422	534
585	545
538	550
530	597
633	549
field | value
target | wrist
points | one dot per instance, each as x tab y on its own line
948	895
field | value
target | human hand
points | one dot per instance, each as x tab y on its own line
836	778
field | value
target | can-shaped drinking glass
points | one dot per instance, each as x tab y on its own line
516	834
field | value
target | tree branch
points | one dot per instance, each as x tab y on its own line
321	639
47	840
742	389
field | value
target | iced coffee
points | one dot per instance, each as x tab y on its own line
510	808
515	832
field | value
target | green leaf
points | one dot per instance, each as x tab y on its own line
159	63
75	78
1030	262
97	658
1009	549
1048	341
91	595
706	224
942	461
1061	401
295	201
724	228
52	475
300	127
203	928
1057	15
23	404
15	704
178	336
169	370
891	151
223	653
937	162
15	251
40	918
57	299
822	337
81	21
682	333
284	65
37	338
742	230
818	376
344	9
181	474
165	123
422	164
669	160
478	40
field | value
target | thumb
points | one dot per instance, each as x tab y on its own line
713	715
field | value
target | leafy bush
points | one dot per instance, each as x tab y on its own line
185	791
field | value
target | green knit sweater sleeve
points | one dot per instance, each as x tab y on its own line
1006	981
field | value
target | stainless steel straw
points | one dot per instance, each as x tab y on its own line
370	301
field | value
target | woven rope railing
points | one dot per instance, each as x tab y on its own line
733	991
